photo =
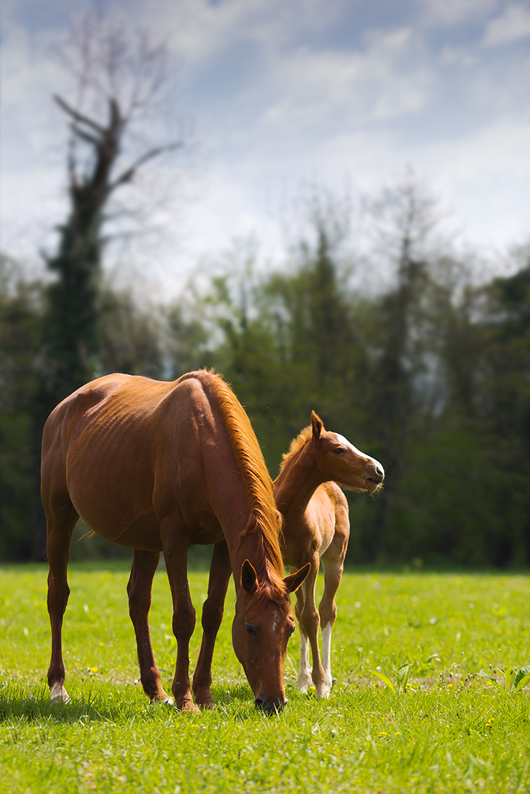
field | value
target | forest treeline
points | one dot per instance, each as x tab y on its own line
401	348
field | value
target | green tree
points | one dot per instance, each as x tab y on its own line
20	322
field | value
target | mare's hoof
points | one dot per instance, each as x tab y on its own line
188	706
58	694
164	699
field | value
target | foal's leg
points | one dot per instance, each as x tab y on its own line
333	567
309	621
333	564
175	554
304	671
139	591
212	615
61	519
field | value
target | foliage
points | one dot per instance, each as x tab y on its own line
429	373
449	729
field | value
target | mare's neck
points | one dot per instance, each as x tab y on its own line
296	483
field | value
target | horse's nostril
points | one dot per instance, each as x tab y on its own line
258	702
380	471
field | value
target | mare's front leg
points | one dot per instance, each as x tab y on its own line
212	615
61	519
176	557
139	591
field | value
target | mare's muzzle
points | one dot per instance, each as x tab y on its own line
269	706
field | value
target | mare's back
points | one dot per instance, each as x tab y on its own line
99	446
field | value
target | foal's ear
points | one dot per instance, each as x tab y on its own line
294	581
317	424
249	576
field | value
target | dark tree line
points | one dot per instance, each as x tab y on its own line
429	374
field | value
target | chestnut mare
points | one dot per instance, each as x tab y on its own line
317	527
157	467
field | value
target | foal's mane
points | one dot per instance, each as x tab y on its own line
296	445
254	475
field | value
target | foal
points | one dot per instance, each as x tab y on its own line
317	527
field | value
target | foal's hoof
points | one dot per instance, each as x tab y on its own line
58	694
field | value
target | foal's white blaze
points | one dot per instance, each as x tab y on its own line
346	443
58	692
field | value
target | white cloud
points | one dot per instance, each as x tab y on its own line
327	88
512	25
305	89
453	12
201	31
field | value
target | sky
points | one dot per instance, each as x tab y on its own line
346	94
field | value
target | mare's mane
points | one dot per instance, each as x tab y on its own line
254	475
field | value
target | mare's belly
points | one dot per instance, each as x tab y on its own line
116	502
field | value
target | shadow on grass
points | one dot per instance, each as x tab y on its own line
25	703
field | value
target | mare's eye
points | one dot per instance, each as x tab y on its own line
339	451
250	629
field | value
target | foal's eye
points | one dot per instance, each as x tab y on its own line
339	451
250	629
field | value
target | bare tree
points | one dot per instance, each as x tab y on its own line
119	83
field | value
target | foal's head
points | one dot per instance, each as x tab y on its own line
338	460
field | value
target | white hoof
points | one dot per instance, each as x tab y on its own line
59	694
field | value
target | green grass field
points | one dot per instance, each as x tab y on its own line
446	729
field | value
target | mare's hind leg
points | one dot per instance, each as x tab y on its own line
212	615
139	591
333	564
61	519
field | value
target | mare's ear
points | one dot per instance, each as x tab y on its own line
294	581
249	576
317	424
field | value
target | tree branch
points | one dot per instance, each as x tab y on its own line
76	115
129	173
96	142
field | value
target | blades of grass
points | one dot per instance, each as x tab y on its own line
523	674
488	677
402	676
509	676
522	682
385	679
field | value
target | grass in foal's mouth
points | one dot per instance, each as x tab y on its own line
408	712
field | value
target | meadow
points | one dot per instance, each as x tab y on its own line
430	693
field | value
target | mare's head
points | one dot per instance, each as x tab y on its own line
262	626
338	460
